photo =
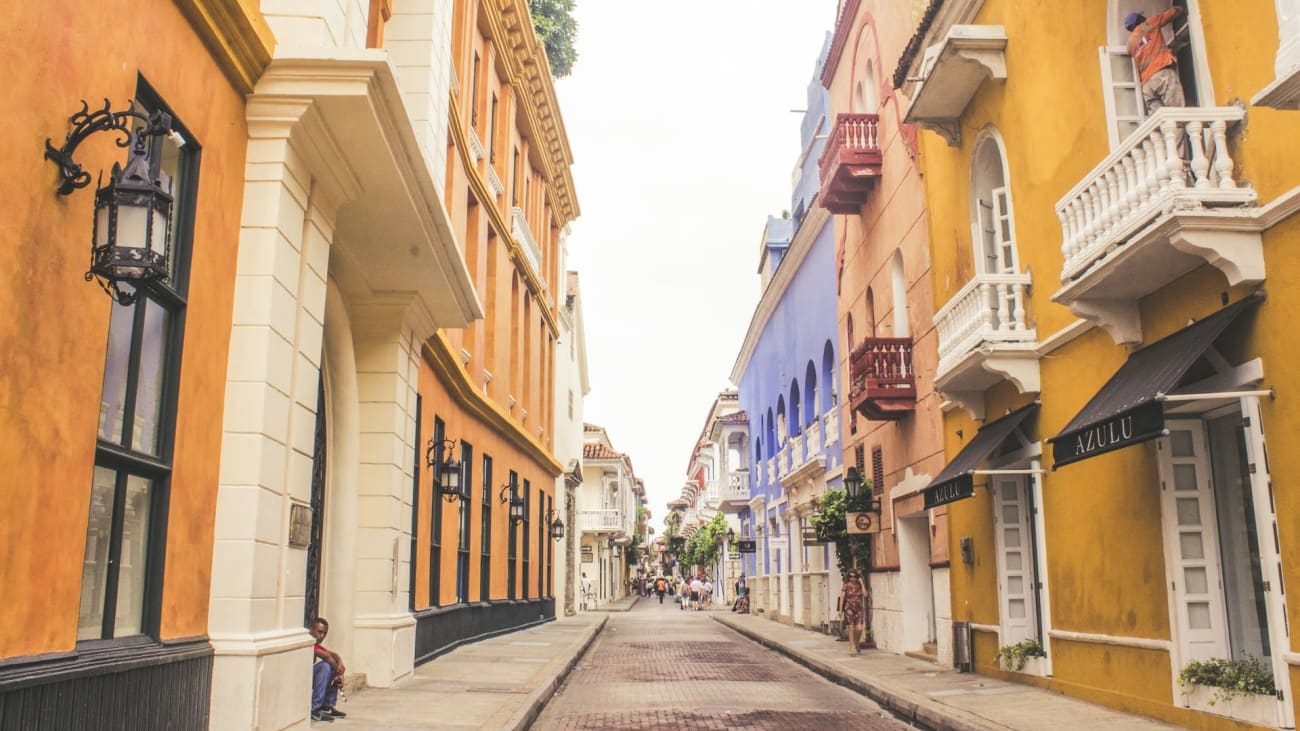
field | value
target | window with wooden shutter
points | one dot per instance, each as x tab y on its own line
877	471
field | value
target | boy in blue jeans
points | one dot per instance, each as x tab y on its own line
326	676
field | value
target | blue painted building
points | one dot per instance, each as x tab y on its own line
786	373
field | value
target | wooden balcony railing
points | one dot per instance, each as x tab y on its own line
883	379
850	164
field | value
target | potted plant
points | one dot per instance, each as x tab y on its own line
1015	657
1240	689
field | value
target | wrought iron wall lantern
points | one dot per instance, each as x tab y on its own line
618	551
516	502
131	234
447	470
556	525
853	483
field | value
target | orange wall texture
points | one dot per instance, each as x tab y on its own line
52	338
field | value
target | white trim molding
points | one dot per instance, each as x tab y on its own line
1144	643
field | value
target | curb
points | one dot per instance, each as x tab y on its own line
628	608
540	696
906	705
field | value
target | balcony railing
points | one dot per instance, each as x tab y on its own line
771	470
850	163
600	520
883	380
988	311
831	420
494	181
813	437
1179	159
737	487
524	235
476	151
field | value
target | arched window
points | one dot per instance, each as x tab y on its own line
865	100
990	209
848	332
901	329
772	444
796	426
828	389
871	313
810	395
782	432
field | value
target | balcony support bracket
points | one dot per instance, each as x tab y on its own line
952	71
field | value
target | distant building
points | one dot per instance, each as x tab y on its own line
609	508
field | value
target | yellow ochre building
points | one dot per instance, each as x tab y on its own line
1114	297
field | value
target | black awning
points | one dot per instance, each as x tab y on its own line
955	481
1125	411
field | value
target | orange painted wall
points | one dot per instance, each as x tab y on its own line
506	456
53	336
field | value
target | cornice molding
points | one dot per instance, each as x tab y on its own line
511	26
447	366
804	238
236	33
497	219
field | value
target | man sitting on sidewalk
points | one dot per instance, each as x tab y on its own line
326	676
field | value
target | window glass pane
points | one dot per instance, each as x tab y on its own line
94	571
1015	585
1180	441
1192	546
116	366
1016	608
1126	103
153	353
1185	477
1011	513
169	163
132	569
1189	511
1121	68
1011	537
1013	561
1198	615
1196	581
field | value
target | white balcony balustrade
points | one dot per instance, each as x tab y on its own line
1163	203
771	470
831	419
520	230
737	487
984	338
813	437
476	151
600	521
798	453
494	181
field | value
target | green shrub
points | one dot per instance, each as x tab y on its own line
1230	678
1013	657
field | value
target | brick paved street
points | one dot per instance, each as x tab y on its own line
657	667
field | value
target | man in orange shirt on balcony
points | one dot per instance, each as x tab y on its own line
1157	67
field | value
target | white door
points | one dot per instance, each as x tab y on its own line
1192	542
1015	559
1005	254
1123	94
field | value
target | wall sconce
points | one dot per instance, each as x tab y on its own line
516	502
731	535
438	456
618	551
131	234
853	484
557	525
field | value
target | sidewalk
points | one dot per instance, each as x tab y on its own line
499	683
617	605
930	695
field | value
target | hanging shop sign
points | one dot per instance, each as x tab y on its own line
812	538
863	523
747	546
949	492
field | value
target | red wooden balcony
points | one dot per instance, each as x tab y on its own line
882	378
850	164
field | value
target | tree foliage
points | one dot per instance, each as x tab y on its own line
558	31
831	524
704	544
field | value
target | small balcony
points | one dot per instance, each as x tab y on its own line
984	338
1164	203
831	426
851	162
952	70
883	379
813	437
600	521
523	234
735	493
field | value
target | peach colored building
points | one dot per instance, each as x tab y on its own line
891	423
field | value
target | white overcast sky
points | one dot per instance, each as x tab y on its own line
678	113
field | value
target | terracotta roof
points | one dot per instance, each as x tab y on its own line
740	417
914	43
599	451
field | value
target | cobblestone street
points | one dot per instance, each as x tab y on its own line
657	667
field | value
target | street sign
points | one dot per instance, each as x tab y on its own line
860	523
747	546
733	556
587	556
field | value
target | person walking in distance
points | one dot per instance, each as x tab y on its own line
853	604
661	588
585	585
1157	67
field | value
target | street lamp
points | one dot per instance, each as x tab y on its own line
557	525
448	470
852	482
131	231
516	502
731	535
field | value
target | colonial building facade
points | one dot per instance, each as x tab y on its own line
790	387
870	180
571	389
1112	291
608	508
112	448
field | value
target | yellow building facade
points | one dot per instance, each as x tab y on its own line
112	450
1112	294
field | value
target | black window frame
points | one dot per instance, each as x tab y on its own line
171	295
463	523
435	518
414	549
528	558
512	544
485	538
